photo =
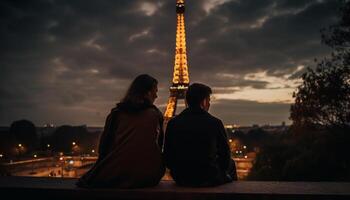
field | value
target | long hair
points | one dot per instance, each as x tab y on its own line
138	89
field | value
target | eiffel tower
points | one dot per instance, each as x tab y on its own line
180	76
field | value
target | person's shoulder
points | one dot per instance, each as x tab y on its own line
153	109
176	120
182	116
214	119
113	113
173	120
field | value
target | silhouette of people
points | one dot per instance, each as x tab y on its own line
130	145
196	149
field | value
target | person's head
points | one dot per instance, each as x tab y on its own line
142	90
198	95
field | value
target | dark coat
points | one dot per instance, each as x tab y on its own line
196	149
129	150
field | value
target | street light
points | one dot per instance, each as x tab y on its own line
32	172
75	148
20	149
48	150
71	167
62	165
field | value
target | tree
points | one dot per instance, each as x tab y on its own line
324	96
24	132
321	116
74	139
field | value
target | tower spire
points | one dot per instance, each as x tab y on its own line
181	78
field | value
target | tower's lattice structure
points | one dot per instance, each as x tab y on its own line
180	76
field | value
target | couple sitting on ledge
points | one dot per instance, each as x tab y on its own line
195	148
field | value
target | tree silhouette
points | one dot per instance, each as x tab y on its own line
24	132
315	148
324	96
64	136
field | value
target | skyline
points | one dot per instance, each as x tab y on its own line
70	62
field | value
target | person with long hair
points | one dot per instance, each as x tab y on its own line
130	145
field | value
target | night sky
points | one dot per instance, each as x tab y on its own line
70	61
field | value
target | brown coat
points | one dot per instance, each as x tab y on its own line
130	154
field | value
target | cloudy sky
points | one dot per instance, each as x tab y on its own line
70	61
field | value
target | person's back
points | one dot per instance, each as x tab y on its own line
129	150
196	149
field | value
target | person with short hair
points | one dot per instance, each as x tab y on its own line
130	145
196	150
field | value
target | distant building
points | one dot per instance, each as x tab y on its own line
272	129
95	129
255	126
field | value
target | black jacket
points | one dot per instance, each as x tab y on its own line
196	149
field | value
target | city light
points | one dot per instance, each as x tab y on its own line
245	156
73	143
1	155
71	162
93	151
61	158
19	145
244	147
48	145
34	155
230	140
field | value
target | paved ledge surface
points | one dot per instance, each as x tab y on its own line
57	188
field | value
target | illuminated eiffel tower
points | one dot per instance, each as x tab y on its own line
180	76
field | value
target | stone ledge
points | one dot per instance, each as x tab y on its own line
57	188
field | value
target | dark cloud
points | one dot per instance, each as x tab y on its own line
284	40
65	61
